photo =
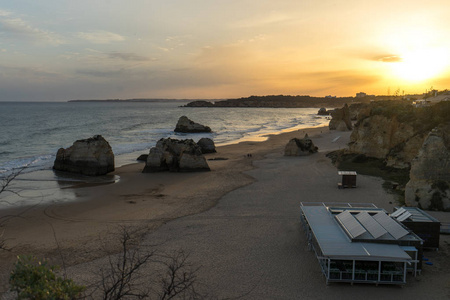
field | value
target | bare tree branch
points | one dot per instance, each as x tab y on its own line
139	272
8	178
179	278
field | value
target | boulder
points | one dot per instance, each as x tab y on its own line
429	184
142	157
176	156
341	119
323	112
185	125
92	157
207	145
300	147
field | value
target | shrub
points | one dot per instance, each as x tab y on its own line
33	279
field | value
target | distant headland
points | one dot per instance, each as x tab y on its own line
132	100
273	101
287	101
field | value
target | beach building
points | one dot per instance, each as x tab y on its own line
348	179
421	223
360	243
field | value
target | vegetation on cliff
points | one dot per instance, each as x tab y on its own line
423	119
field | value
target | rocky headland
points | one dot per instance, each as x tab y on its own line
408	138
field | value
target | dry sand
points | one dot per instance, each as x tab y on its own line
78	230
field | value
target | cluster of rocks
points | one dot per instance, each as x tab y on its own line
300	147
176	156
92	157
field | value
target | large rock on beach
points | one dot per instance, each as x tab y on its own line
186	125
429	184
92	157
300	147
207	145
341	119
176	156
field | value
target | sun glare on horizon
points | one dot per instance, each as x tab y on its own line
420	65
419	53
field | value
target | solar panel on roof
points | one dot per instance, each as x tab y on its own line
375	229
395	229
350	224
398	212
404	216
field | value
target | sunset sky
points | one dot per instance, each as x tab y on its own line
55	50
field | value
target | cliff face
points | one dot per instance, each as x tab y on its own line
430	172
408	137
394	130
386	138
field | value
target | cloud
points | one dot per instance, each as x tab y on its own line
259	21
17	28
34	73
100	37
102	73
4	13
348	77
126	56
388	58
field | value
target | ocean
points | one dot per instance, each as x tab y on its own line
32	133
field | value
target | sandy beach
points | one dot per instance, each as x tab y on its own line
239	222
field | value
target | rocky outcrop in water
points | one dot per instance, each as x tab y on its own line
207	145
91	157
430	172
176	156
323	112
300	147
341	119
186	125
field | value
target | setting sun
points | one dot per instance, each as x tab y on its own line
420	65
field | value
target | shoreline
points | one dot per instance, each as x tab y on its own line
137	199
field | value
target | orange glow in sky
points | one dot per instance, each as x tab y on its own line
61	50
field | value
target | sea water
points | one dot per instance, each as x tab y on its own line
32	133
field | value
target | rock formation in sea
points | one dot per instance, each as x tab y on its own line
92	156
207	145
429	184
176	156
300	147
323	112
186	125
341	119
